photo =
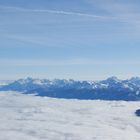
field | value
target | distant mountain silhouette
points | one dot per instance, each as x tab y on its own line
109	89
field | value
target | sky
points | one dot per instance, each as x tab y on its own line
71	39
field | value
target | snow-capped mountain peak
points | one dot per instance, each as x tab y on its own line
111	88
113	79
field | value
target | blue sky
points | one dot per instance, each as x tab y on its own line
79	39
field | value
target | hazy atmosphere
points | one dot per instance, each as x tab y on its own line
80	39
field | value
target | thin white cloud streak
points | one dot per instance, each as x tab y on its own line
48	62
116	9
27	39
118	14
38	41
59	12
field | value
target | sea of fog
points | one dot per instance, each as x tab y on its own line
27	117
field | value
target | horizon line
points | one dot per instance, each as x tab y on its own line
41	78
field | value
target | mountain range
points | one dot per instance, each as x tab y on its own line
109	89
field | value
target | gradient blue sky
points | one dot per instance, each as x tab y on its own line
80	39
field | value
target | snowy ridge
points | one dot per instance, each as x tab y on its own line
109	89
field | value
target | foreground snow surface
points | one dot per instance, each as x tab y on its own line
27	117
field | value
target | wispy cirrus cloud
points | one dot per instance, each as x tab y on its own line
118	11
59	12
